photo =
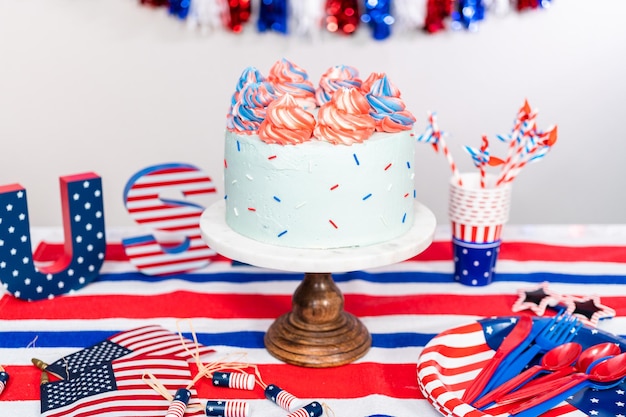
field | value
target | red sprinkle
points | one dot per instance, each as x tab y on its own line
334	186
225	164
333	223
387	167
271	157
406	195
251	209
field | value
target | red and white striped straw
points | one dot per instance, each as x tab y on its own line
444	148
528	158
525	115
483	147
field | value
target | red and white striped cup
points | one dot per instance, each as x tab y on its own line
477	216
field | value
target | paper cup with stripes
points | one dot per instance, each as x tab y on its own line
477	215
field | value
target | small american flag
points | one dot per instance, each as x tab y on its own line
117	389
148	340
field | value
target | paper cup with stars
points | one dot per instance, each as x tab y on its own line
477	215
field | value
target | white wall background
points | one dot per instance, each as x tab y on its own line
113	87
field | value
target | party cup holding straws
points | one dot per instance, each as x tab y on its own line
477	214
479	203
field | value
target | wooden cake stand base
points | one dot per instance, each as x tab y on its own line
317	332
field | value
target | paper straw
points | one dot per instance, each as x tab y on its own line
524	124
480	157
534	154
483	147
441	144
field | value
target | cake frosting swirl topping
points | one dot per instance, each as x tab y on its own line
334	78
345	119
349	110
388	109
250	108
288	78
286	122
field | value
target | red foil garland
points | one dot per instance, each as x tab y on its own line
155	3
527	4
238	14
436	12
342	16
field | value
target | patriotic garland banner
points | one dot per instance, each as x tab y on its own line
409	308
308	18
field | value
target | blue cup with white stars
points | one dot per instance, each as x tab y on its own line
475	263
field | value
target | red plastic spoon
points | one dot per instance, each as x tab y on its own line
538	386
557	358
610	371
589	355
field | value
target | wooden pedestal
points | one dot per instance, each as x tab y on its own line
317	332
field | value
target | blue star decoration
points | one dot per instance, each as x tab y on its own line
85	240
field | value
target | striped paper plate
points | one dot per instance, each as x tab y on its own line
452	359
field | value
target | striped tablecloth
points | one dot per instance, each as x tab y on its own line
231	305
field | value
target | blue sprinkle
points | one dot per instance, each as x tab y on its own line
404	218
238	147
277	199
225	197
414	194
367	196
282	233
408	164
356	159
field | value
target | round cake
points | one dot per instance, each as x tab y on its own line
324	167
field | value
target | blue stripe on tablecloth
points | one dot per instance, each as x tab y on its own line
381	277
250	340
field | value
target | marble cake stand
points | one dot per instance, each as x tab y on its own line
317	332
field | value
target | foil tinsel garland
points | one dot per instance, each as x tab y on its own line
409	15
378	16
207	14
527	4
273	16
467	14
436	12
155	3
179	8
306	17
342	16
238	14
311	17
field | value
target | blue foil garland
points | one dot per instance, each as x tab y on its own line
273	16
377	15
467	14
179	8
